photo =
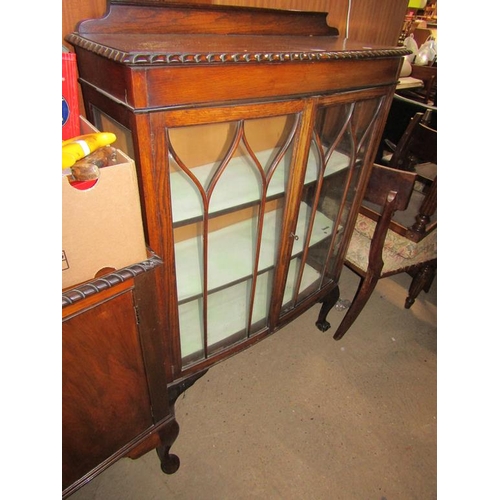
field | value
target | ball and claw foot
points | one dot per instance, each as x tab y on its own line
170	464
328	302
323	326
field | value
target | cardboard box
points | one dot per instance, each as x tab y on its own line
70	105
101	226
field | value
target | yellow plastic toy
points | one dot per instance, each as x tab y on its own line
76	148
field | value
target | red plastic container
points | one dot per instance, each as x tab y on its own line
70	105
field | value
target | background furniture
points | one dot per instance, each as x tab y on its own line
418	145
253	150
417	152
114	392
427	94
396	229
371	247
103	369
400	114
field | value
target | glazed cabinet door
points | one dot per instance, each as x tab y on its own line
258	197
230	181
340	140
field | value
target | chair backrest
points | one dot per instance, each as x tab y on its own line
428	74
418	144
386	180
400	114
391	189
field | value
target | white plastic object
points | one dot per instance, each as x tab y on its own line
427	52
411	44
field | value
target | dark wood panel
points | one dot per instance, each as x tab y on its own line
209	84
215	19
105	395
377	21
309	5
373	21
73	11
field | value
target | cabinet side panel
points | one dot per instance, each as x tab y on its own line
105	395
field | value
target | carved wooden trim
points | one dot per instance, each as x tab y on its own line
85	290
165	58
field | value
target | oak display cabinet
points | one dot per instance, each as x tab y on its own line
253	132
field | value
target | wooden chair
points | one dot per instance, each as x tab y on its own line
400	115
416	152
428	94
417	145
396	229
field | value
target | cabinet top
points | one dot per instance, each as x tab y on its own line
157	32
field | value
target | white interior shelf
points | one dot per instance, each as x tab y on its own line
228	309
240	183
231	250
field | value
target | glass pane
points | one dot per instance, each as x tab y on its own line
191	326
228	182
360	130
338	147
238	183
105	123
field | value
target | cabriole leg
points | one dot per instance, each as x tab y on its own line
327	304
170	462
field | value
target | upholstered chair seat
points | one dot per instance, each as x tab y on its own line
398	252
396	227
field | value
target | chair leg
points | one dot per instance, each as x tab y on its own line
365	289
421	281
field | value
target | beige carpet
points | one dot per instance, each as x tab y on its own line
301	416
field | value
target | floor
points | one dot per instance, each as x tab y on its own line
301	416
